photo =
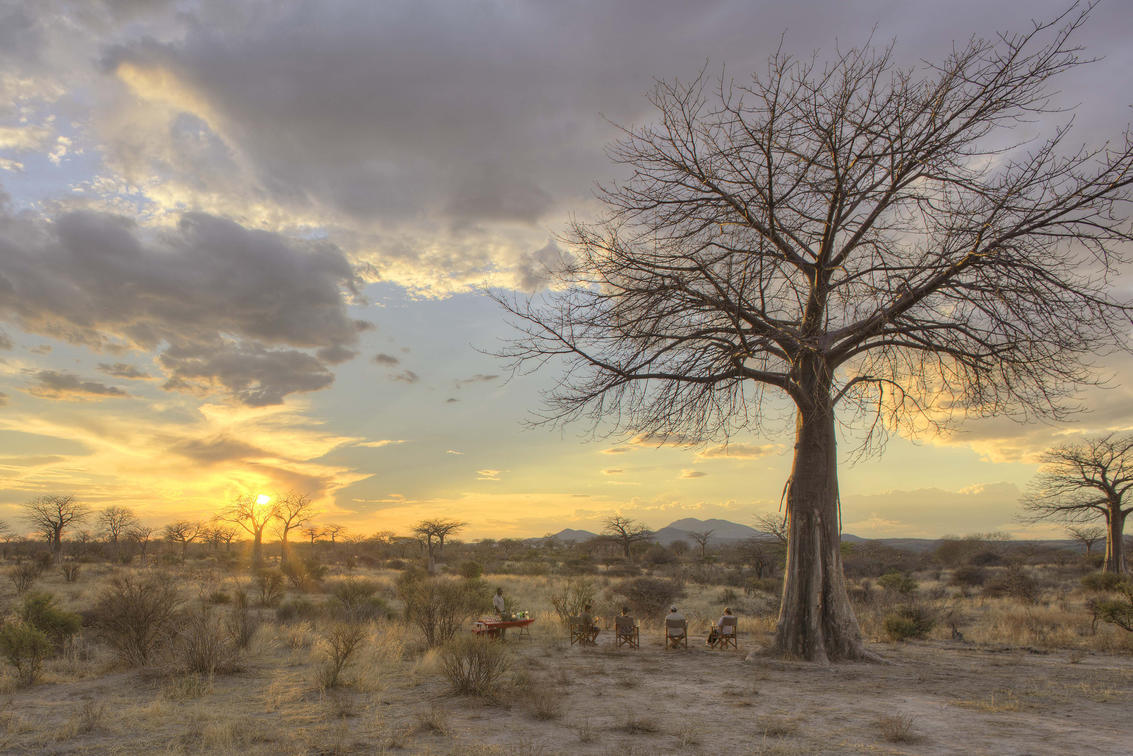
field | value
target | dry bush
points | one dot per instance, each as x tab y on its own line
544	703
204	646
1103	582
268	584
570	596
898	728
649	597
136	615
475	666
432	722
777	726
70	572
638	725
243	622
24	575
341	641
1013	583
24	647
439	606
353	599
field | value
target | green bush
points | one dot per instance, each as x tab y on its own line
898	582
648	596
1103	582
907	622
136	615
24	647
475	666
470	569
40	611
297	610
1014	583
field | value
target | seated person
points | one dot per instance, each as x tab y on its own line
674	635
499	604
590	627
718	629
625	623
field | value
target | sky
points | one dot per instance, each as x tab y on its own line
243	248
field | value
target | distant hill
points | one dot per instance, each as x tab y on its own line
723	531
571	535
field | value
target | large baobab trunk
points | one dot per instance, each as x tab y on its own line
1114	547
815	619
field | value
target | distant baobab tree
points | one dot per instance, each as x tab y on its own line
886	247
116	522
183	532
1087	480
701	538
293	510
432	534
626	532
252	513
52	515
1087	535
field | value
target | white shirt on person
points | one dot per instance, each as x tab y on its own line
498	602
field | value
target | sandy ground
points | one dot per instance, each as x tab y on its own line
932	697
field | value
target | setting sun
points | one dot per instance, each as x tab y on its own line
263	499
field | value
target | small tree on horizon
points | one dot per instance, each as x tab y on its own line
626	532
249	513
52	515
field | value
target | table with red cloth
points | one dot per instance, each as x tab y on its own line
496	628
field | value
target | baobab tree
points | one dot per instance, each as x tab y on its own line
252	513
52	515
1087	480
116	522
292	511
882	246
184	532
701	538
625	532
432	534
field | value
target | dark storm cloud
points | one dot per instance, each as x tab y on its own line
50	384
211	294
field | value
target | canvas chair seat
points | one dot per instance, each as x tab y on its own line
626	633
727	634
676	633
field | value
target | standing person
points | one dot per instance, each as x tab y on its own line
499	603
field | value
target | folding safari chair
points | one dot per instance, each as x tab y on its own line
626	633
676	633
727	634
578	633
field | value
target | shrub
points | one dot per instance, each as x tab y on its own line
268	584
969	576
474	666
40	611
303	573
353	599
569	597
470	569
136	615
24	575
204	646
438	606
70	572
649	596
297	610
1103	582
1116	611
24	647
1014	583
341	641
242	622
898	582
906	622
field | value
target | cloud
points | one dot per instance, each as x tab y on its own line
685	474
5	340
3	399
215	299
386	359
488	474
453	451
613	471
615	450
216	450
50	384
478	378
406	376
123	370
738	451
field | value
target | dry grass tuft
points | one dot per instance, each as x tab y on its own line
898	728
778	726
432	722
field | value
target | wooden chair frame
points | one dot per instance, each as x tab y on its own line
578	634
626	633
676	633
727	634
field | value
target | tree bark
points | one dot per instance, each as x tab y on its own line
816	621
1114	546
